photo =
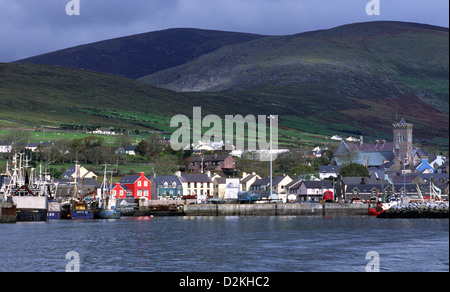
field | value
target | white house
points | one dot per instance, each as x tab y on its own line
438	161
5	147
314	190
104	131
336	137
325	171
130	150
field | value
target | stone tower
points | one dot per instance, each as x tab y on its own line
403	141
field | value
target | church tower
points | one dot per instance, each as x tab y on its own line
403	141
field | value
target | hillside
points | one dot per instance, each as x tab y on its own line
142	54
365	61
352	80
52	95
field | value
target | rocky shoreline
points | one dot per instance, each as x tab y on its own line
418	210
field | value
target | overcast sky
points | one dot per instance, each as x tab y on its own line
32	27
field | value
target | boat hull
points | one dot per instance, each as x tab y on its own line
54	210
31	208
81	214
53	215
375	212
31	215
106	214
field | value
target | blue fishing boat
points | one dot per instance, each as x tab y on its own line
106	203
106	214
53	210
81	212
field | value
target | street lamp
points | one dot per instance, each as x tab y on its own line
271	117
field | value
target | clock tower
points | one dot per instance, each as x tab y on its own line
403	141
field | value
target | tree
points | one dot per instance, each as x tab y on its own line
249	162
150	147
123	141
165	164
17	138
354	169
300	169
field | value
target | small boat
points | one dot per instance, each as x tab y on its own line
81	212
106	203
381	208
106	214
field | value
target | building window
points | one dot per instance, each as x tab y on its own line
145	183
139	183
400	137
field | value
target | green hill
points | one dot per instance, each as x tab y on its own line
353	80
52	95
375	60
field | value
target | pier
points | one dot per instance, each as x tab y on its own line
306	209
418	210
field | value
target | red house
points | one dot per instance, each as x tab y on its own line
138	186
120	191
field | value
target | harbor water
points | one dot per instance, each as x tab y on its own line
226	244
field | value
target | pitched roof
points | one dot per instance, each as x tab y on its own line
356	180
170	179
293	185
261	182
131	179
329	168
311	184
195	178
248	178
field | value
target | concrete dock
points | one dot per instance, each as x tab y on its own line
306	209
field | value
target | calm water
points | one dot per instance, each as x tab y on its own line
227	244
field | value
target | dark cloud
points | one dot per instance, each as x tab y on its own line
31	27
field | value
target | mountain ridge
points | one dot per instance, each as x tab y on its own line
158	50
385	62
354	79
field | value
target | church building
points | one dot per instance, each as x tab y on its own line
380	153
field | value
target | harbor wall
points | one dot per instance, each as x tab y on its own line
418	210
307	209
8	213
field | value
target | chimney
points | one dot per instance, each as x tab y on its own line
244	174
142	174
178	173
208	173
361	140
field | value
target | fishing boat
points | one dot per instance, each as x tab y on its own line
106	203
54	210
381	207
81	211
78	208
31	203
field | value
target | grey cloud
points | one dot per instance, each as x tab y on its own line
30	27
